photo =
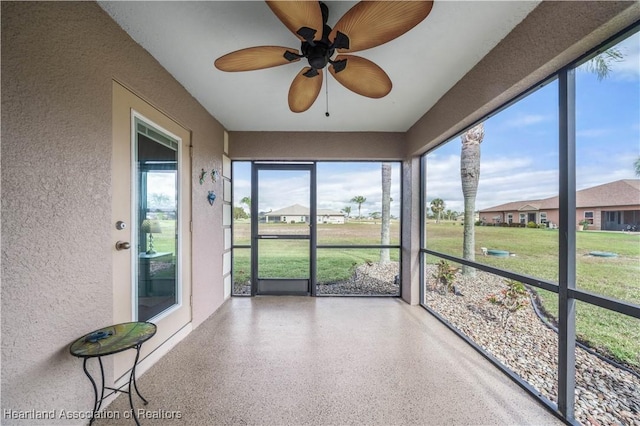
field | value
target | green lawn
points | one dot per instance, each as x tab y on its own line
164	242
289	259
354	232
292	261
536	255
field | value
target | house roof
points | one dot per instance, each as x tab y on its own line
624	192
299	210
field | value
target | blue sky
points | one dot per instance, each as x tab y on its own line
338	183
519	151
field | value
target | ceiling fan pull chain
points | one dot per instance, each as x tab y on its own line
326	86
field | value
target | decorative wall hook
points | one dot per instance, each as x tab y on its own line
211	197
213	174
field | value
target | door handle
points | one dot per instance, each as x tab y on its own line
123	245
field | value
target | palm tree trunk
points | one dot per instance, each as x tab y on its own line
469	237
470	175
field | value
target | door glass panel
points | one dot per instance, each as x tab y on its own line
283	259
156	217
283	238
284	202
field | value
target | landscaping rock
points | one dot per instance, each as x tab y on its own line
605	394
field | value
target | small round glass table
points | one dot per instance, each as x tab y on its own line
108	341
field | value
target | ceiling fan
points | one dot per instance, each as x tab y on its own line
365	25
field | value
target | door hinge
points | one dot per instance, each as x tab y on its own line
191	151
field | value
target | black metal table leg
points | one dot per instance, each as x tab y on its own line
133	376
97	403
95	391
103	386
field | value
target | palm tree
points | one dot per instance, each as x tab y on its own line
437	206
448	214
246	201
159	200
386	211
470	174
601	64
359	200
347	211
470	159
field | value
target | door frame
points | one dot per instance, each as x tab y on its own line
176	320
257	166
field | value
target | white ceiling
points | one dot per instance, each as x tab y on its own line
187	36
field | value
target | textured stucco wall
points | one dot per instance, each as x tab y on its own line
58	63
552	35
316	145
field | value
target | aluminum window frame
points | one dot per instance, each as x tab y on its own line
566	289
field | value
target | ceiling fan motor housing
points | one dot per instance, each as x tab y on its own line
317	55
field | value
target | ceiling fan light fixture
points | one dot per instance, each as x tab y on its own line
366	25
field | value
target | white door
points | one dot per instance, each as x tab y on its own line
151	221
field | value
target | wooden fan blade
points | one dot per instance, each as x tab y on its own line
372	23
362	77
255	58
298	14
304	90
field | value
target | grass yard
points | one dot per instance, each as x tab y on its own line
352	233
290	258
165	242
536	255
291	261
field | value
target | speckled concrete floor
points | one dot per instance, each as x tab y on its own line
327	361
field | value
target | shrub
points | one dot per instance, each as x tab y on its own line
532	225
445	275
511	299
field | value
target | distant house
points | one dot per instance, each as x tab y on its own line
300	214
609	207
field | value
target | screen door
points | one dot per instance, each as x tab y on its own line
283	237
